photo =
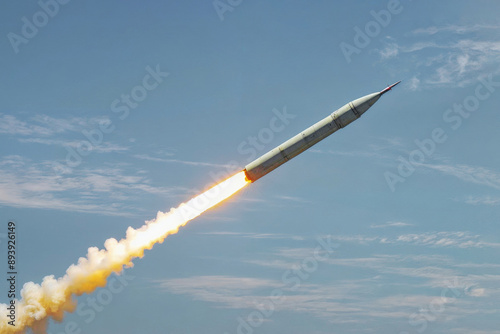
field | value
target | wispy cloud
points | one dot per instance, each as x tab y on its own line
247	293
414	83
456	29
255	235
457	55
390	51
433	270
355	154
446	239
430	239
105	190
461	61
472	331
472	174
342	301
43	125
105	147
292	199
12	126
381	148
428	280
63	132
391	224
483	200
183	162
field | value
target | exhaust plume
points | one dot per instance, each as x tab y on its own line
54	296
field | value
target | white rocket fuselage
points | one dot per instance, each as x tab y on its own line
312	135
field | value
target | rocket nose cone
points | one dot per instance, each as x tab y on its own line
389	88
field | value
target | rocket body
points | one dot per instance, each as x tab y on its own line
312	135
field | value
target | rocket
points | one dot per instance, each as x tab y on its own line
312	135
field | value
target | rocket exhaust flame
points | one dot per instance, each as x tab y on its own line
55	296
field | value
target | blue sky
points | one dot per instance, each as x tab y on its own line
417	247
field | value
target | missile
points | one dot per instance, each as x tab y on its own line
312	135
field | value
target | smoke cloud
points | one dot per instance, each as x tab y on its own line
55	296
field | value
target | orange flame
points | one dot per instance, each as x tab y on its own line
54	296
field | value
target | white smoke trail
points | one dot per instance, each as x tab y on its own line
53	297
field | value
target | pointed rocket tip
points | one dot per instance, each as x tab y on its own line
389	88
